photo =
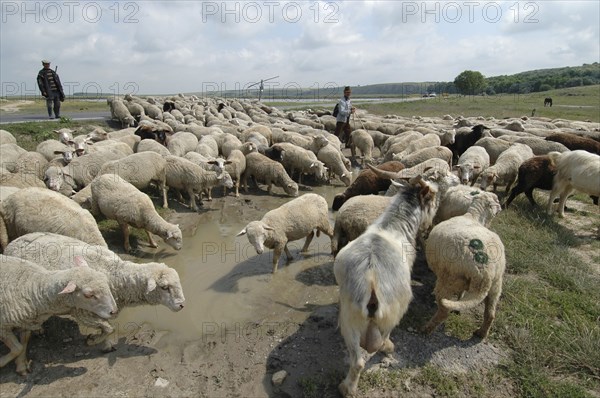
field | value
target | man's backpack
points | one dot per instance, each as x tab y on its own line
336	110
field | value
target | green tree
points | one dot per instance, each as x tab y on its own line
470	82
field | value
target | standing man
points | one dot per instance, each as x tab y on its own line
345	108
51	89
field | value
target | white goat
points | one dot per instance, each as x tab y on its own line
373	273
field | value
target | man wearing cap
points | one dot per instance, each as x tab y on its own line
345	108
51	89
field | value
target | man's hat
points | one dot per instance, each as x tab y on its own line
45	61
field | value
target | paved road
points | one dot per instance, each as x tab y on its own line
22	118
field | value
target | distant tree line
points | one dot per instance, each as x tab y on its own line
471	83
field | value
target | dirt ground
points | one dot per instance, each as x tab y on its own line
13	106
240	326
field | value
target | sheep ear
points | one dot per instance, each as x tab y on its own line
151	285
313	164
477	167
227	162
242	232
56	131
58	152
456	167
71	142
70	288
80	261
265	226
212	162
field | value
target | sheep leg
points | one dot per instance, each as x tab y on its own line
125	229
237	188
489	315
164	188
352	339
441	292
23	365
244	178
309	239
209	193
563	200
288	255
509	184
276	254
387	347
553	195
151	241
13	344
529	194
193	205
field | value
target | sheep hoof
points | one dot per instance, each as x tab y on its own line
345	390
24	369
481	334
108	347
427	329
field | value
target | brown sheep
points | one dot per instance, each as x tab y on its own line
575	142
367	183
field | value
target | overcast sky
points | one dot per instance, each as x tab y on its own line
154	47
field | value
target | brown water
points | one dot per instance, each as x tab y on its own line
227	286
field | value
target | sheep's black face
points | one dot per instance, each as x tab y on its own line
338	201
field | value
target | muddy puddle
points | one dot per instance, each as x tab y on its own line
228	287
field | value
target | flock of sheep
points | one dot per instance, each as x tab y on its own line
55	260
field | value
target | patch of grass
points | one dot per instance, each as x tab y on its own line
582	104
30	134
321	386
70	105
550	308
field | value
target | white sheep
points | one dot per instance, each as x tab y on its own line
43	210
413	159
183	174
181	143
140	169
362	140
467	258
506	167
303	161
9	153
493	146
399	143
455	201
84	169
373	273
575	170
112	145
268	172
120	112
235	167
282	225
56	180
131	284
117	199
152	146
30	294
334	161
540	146
355	216
471	163
207	146
6	137
427	141
49	148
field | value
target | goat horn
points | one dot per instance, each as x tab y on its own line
383	173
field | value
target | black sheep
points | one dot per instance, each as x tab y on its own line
463	141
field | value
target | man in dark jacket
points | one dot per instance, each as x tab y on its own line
51	89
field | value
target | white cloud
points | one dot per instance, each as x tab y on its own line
182	46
